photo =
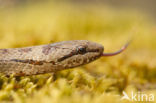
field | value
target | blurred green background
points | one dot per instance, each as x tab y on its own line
27	23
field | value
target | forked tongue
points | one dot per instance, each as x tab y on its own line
117	52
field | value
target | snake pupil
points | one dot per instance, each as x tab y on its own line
81	50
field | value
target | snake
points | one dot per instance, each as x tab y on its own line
50	58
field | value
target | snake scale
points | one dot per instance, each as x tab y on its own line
50	58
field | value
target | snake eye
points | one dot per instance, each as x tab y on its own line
81	50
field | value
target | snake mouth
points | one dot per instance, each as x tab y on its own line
73	53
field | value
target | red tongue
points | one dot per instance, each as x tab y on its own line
117	52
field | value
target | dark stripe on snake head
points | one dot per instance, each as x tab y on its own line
75	52
67	56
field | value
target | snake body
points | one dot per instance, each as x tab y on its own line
48	58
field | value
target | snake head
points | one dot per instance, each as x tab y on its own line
78	52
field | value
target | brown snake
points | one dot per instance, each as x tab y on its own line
50	58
